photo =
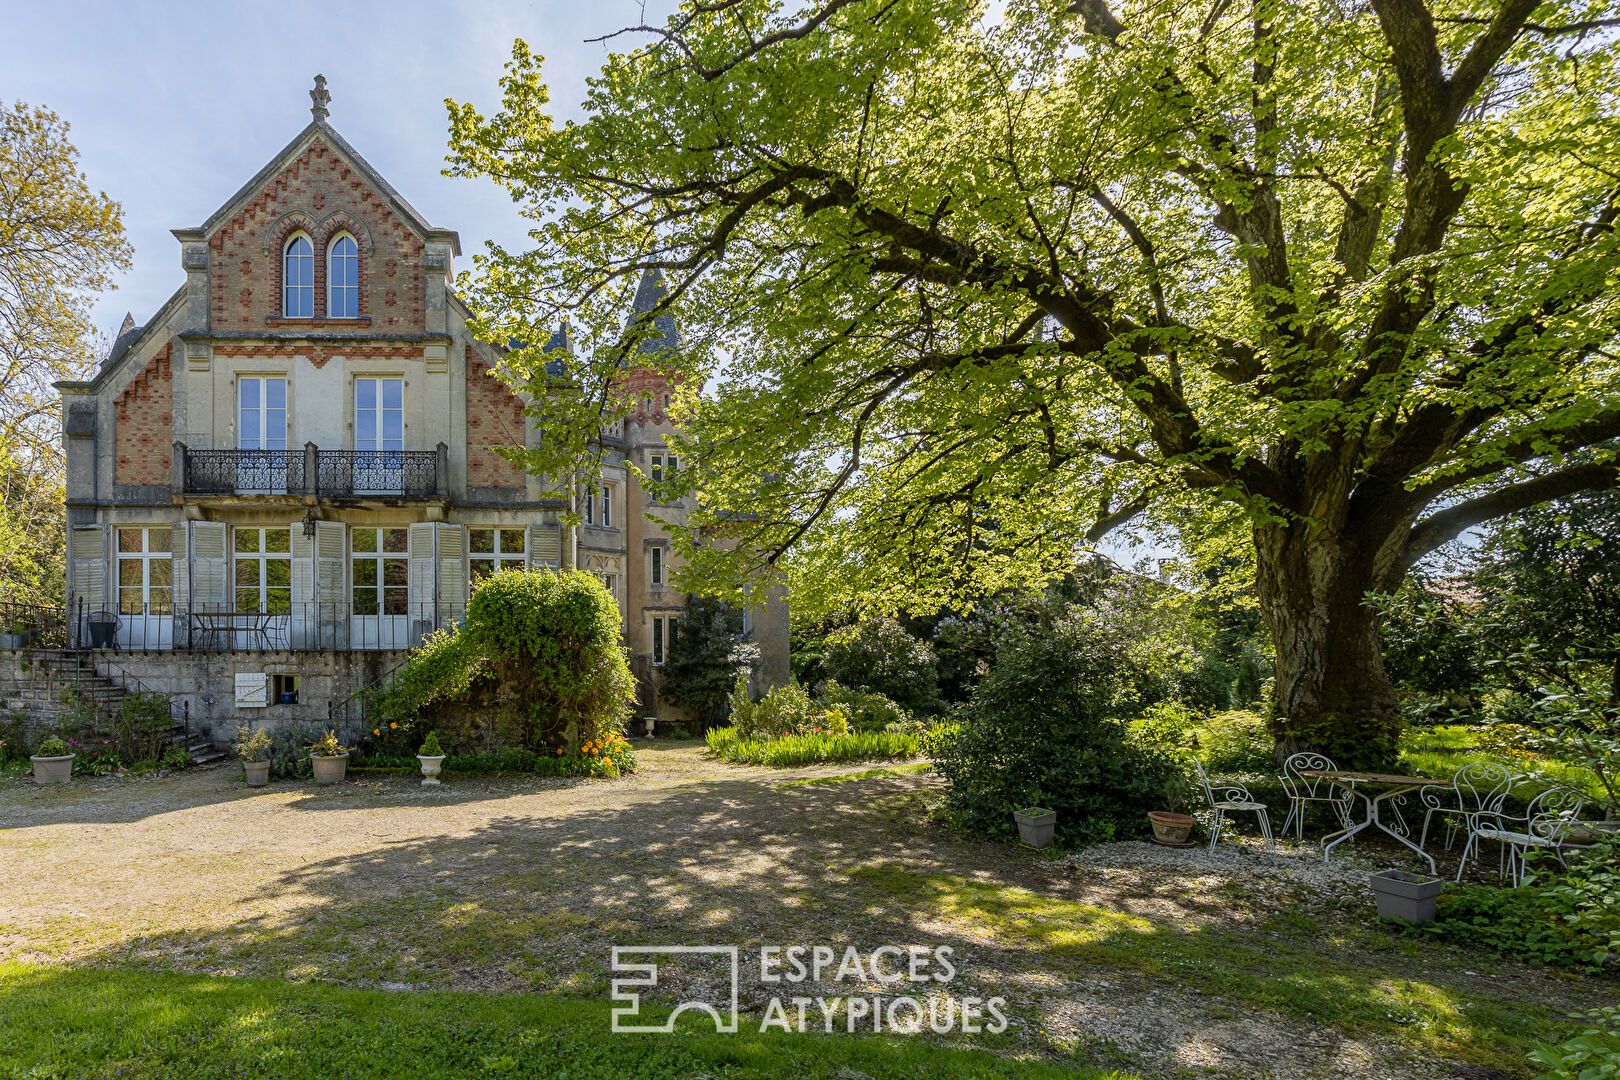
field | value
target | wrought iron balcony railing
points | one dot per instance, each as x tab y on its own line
329	474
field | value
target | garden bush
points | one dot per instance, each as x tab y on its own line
867	711
816	746
878	655
141	727
1037	733
705	658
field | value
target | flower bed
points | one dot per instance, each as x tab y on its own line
812	747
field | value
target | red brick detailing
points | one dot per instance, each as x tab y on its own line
494	418
640	383
318	354
144	434
248	247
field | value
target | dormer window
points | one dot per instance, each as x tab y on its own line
298	279
343	278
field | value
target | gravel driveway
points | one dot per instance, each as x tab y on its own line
523	884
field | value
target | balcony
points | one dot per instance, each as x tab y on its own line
322	474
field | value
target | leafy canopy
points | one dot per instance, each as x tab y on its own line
987	282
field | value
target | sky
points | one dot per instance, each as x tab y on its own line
174	106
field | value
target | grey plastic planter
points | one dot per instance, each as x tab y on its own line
53	770
1036	824
431	763
258	773
329	770
1405	896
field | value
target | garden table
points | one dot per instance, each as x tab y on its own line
1396	786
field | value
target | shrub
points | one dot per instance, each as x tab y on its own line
142	726
807	749
1234	741
878	655
1594	1054
1035	733
867	711
430	745
327	745
706	657
289	756
174	757
97	758
53	747
13	743
783	711
252	744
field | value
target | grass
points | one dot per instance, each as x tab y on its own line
88	1022
1281	966
1441	750
864	774
811	749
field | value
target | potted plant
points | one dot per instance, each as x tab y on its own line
1173	827
253	747
16	635
432	757
329	758
53	762
1405	896
1036	825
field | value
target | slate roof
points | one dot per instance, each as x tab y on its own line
648	293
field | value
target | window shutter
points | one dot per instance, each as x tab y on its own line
302	625
179	580
331	600
452	573
210	573
89	569
423	580
545	546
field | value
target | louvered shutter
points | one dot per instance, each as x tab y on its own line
545	546
302	627
452	574
423	593
210	568
331	599
89	575
180	581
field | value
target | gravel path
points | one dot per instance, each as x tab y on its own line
522	884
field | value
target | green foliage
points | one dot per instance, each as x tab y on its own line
867	711
289	750
1037	732
1351	740
327	745
13	736
252	743
142	726
729	744
706	657
430	745
785	710
175	757
52	747
550	643
97	757
879	656
1594	1054
1588	893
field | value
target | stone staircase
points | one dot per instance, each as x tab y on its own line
74	674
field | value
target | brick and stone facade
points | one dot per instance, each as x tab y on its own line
259	490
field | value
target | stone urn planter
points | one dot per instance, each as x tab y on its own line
1171	829
1036	825
1405	896
431	763
53	769
258	773
329	769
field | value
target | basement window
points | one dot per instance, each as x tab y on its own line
283	689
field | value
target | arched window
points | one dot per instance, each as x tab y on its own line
298	279
343	278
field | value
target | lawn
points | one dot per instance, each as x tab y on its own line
74	1023
1441	750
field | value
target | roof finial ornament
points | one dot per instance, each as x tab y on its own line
320	97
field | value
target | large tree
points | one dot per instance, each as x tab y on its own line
988	284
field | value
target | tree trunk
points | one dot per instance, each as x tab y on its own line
1332	693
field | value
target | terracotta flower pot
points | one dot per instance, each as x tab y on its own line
1036	825
1171	829
431	764
258	773
329	770
53	770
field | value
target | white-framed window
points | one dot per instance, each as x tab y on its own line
657	567
379	568
491	550
261	412
663	636
298	278
343	278
590	518
263	570
145	571
379	414
607	506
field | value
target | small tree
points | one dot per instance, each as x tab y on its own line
878	655
706	658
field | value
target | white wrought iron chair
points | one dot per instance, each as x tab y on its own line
1475	789
1233	797
1544	826
1303	789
